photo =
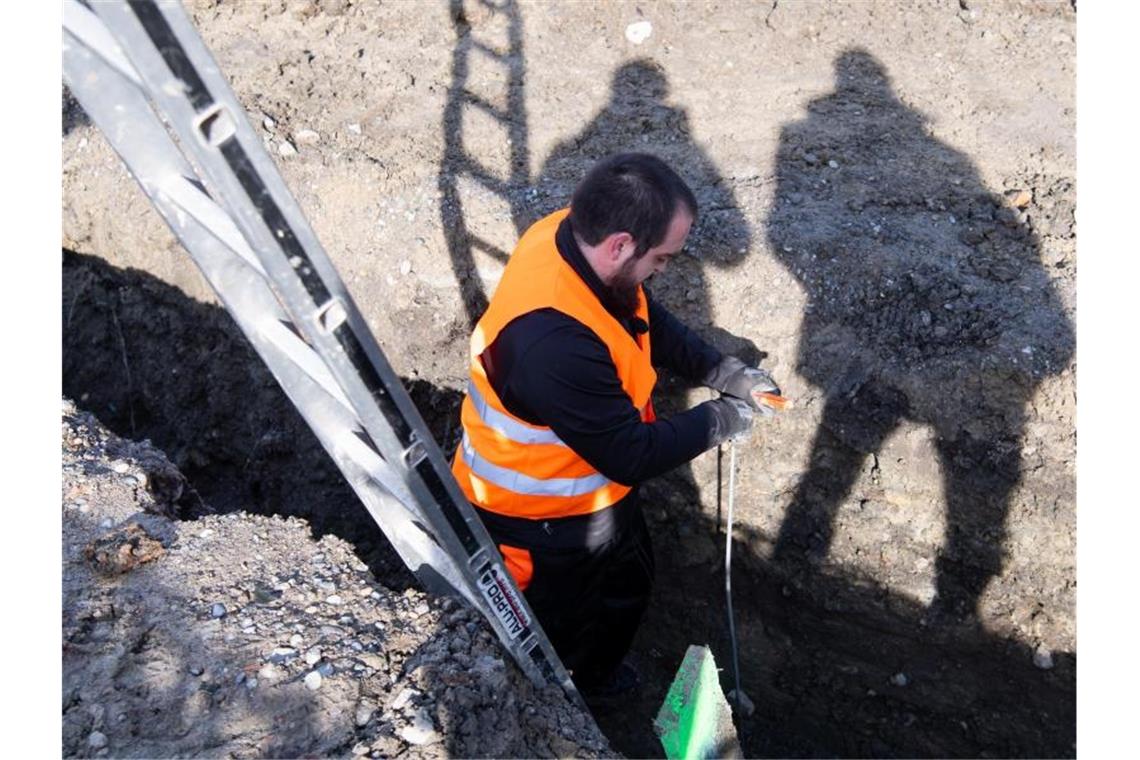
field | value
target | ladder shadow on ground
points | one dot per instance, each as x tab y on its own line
151	362
479	45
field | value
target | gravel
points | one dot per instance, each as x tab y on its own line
239	680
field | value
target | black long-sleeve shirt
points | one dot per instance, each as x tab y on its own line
549	369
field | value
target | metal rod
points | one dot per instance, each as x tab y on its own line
739	693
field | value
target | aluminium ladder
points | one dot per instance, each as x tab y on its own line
138	66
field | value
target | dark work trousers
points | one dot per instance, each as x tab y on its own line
590	581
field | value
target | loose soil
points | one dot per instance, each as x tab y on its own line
887	199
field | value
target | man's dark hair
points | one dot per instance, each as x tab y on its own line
629	192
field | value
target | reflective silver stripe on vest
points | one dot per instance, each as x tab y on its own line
519	483
500	422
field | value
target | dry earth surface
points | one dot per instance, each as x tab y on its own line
887	196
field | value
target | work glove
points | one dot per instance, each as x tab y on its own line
732	419
732	377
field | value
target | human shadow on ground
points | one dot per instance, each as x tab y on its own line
926	301
911	315
639	117
150	362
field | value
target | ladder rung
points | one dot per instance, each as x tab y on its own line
482	104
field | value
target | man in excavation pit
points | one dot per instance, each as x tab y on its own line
558	425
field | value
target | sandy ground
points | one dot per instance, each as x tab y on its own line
887	202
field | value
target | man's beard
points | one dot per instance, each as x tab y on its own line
622	291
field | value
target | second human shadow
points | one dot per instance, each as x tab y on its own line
926	301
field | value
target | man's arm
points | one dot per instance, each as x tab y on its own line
549	369
683	351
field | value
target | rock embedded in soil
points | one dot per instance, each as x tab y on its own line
306	137
97	740
420	731
1019	198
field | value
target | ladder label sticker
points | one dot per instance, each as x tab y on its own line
504	602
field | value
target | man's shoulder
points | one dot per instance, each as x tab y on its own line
545	330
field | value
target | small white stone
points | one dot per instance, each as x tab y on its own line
405	267
354	128
335	599
218	611
638	32
421	731
206	533
364	713
296	640
306	137
900	679
313	681
313	656
268	123
97	740
833	164
286	149
403	698
120	467
1043	658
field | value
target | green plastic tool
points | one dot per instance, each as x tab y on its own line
695	720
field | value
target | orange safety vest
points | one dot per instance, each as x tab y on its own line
512	467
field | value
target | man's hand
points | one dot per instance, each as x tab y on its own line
732	419
733	377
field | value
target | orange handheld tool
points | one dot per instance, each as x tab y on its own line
772	400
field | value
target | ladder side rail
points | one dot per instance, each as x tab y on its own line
332	325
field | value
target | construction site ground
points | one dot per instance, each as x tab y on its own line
887	223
